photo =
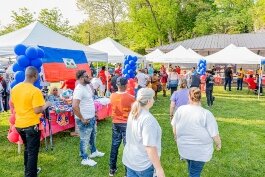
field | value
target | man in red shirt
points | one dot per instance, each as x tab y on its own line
163	81
69	84
121	102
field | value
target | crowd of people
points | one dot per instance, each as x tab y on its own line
133	123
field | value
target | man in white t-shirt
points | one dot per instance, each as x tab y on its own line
84	110
142	79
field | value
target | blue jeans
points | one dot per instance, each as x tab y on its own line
118	135
228	81
209	96
87	136
149	172
195	168
239	83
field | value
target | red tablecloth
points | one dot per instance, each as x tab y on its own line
59	122
64	121
104	112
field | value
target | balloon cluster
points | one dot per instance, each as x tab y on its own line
201	68
13	136
26	56
129	68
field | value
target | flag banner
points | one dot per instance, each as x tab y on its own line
62	64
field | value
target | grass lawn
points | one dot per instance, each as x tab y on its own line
241	120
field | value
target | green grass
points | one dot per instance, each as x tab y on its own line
241	120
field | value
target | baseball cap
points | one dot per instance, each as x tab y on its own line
122	81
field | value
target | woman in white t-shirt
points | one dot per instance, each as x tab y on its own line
195	129
141	154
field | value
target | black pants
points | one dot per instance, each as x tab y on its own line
31	139
228	81
209	96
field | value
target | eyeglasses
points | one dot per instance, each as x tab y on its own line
85	76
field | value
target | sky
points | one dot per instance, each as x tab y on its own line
68	9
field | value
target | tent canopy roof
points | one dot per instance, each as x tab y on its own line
153	55
116	51
179	55
234	55
38	34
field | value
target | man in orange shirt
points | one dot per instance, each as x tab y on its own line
29	104
121	102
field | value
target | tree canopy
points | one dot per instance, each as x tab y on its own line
141	24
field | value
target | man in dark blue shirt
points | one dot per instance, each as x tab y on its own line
209	88
195	80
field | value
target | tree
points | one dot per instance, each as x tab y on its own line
258	15
53	18
19	19
104	11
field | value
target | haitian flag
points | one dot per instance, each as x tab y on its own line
62	64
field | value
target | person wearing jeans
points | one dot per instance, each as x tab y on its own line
121	102
84	110
228	77
141	154
28	104
195	146
240	76
195	168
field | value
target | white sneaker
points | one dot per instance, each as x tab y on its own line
97	154
88	162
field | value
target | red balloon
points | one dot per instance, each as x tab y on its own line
13	137
13	129
12	119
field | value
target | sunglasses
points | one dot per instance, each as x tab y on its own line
85	76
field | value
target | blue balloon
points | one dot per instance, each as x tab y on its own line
39	69
13	83
40	52
130	71
135	59
36	63
202	65
134	68
16	67
130	58
31	52
125	71
37	84
20	76
132	75
126	62
20	49
127	67
132	63
127	76
23	61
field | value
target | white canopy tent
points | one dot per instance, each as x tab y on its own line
38	34
116	52
154	55
178	55
234	55
195	53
